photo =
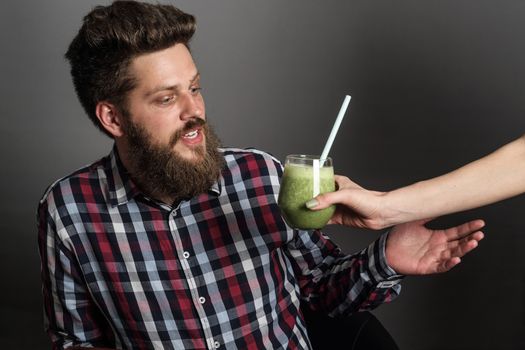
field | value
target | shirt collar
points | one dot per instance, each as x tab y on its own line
120	186
122	189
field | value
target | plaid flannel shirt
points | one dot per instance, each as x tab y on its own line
221	270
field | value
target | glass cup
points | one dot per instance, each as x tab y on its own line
303	179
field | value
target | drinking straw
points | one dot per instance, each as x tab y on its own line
335	128
316	178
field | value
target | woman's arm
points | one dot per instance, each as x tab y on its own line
495	177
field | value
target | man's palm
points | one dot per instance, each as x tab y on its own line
413	249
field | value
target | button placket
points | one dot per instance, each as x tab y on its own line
177	223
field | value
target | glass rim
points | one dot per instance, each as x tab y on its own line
306	157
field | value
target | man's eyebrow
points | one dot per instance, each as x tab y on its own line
195	78
172	87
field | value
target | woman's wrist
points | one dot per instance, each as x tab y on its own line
395	209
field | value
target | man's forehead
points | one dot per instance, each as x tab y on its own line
172	66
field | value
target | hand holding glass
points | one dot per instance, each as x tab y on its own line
304	178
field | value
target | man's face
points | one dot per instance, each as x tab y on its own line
172	151
167	101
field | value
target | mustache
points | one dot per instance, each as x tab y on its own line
193	123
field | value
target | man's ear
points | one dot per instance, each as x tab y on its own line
110	118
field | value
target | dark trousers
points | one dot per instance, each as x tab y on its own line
360	331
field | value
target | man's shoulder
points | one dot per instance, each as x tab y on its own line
236	155
79	181
249	165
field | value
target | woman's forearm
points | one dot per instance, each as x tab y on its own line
495	177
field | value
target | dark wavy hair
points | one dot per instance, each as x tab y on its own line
110	37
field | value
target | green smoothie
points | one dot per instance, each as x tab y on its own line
297	187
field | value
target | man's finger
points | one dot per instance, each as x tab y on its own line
463	230
446	264
467	245
450	263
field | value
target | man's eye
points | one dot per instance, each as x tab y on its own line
166	100
195	90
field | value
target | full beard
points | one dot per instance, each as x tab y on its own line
161	173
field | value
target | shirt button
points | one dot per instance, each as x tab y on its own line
202	300
186	255
216	344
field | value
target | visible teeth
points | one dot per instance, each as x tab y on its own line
191	135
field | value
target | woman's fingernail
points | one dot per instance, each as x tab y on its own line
312	203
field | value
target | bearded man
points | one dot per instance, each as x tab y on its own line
171	242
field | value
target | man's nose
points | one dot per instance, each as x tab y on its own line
191	107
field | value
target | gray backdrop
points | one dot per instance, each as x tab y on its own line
434	85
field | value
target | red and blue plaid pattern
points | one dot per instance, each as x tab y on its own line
221	270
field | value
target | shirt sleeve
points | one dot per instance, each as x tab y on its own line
331	281
341	284
70	316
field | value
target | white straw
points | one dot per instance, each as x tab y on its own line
316	176
335	128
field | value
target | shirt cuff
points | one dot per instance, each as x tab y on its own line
382	275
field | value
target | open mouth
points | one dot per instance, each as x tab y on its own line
191	135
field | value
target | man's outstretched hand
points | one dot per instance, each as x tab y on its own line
413	249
